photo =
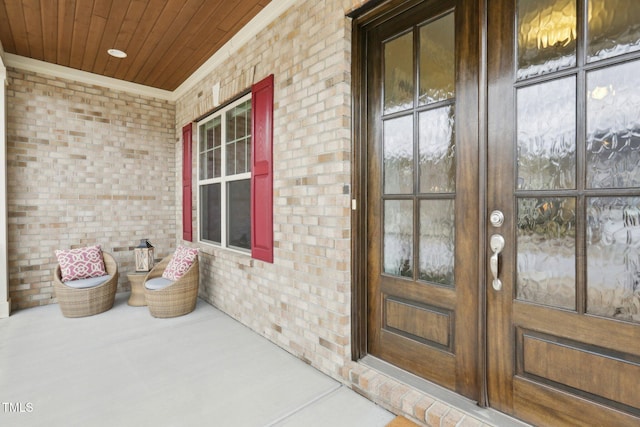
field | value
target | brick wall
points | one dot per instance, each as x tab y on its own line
85	165
302	301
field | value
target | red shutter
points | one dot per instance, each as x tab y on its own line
187	226
262	170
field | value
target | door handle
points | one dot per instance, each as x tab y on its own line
497	244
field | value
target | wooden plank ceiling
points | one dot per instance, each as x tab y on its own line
165	40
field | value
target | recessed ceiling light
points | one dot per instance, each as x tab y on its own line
117	53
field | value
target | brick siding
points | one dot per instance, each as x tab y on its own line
302	301
85	165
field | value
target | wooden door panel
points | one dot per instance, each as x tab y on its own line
436	365
593	372
538	404
619	337
419	322
445	297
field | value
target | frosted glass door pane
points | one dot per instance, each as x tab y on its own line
398	237
398	74
546	251
437	150
613	127
398	155
613	28
613	257
546	122
437	241
546	36
437	60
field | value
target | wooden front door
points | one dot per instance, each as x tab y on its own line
422	192
564	169
501	189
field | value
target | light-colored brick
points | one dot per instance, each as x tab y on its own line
436	414
77	166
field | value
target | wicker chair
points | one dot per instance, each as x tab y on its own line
76	302
177	299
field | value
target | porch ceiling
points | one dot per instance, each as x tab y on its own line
165	40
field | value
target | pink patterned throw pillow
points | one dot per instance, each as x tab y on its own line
180	262
81	263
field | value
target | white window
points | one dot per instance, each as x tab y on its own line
224	176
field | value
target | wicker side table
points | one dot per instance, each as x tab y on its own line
137	289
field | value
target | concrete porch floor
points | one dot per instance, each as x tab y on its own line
126	368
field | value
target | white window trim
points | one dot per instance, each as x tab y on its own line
222	180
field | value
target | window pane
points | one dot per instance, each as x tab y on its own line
203	138
210	136
239	208
203	166
437	65
238	121
398	74
210	213
231	158
546	251
242	157
231	126
546	122
242	113
248	118
546	36
614	28
437	151
217	132
398	237
613	257
437	241
217	162
398	155
613	126
238	132
210	165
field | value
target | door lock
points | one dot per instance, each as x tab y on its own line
496	218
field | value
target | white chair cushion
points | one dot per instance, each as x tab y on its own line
90	282
157	283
